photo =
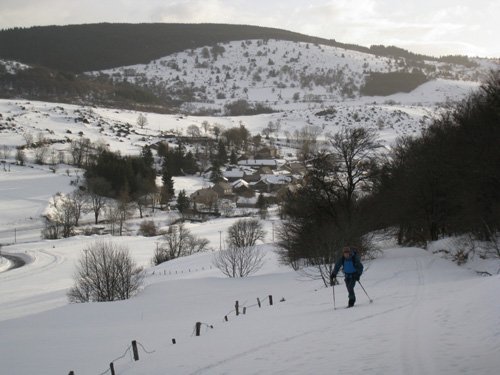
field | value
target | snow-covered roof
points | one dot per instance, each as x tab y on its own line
270	179
262	162
240	183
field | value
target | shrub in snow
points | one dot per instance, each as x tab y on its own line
239	261
148	228
178	242
105	272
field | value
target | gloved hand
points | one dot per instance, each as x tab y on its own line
356	276
333	280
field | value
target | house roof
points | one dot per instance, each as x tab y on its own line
262	162
240	183
276	179
223	185
238	171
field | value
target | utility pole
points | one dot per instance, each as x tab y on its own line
86	261
220	240
272	222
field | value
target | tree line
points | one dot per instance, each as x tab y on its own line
445	182
384	84
80	48
40	83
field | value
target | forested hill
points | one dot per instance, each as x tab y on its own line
80	48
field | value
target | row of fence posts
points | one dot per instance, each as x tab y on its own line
111	370
244	310
198	325
164	273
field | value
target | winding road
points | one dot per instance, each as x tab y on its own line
16	261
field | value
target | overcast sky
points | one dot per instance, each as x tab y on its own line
434	27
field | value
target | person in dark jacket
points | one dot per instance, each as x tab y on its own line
352	267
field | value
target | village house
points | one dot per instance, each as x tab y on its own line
272	183
206	197
243	189
257	163
223	190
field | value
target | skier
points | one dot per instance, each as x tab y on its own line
353	269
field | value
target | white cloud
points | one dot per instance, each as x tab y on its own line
192	11
445	26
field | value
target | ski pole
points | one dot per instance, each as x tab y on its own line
365	291
333	288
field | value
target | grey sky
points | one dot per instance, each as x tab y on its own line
436	27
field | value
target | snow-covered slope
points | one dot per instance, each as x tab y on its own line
428	317
276	72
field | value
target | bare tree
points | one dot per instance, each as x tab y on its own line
193	131
148	228
239	261
356	157
245	233
80	202
178	242
125	210
356	152
61	218
307	140
97	188
325	214
142	121
105	272
206	126
111	214
80	150
41	153
20	157
5	152
28	138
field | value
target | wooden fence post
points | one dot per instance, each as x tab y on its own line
198	328
112	368
258	302
237	308
270	300
71	373
244	310
135	351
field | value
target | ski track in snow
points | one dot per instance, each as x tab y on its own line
409	327
411	350
249	352
403	332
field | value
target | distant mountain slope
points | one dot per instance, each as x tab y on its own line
79	48
204	68
277	72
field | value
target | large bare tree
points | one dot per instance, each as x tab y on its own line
105	272
325	214
178	242
97	189
239	261
356	155
245	233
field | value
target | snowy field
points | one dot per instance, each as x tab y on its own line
429	315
